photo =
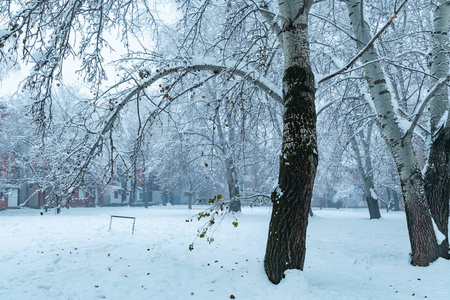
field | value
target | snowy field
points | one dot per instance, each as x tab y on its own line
74	256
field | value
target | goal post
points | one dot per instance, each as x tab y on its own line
122	217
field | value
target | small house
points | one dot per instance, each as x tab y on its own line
112	195
9	196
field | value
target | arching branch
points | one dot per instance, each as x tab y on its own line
264	86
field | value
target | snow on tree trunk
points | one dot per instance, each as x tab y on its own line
367	177
439	63
233	184
395	200
420	226
233	188
437	185
298	162
393	195
437	177
369	186
226	144
232	172
372	204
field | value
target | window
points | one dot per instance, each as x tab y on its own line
116	194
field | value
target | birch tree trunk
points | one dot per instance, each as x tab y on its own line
232	171
437	177
226	144
367	172
420	226
298	162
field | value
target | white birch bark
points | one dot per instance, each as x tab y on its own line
365	169
226	147
440	54
421	233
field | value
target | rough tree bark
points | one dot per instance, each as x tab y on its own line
420	226
298	162
437	176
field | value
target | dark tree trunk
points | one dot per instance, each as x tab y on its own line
421	232
132	194
298	162
396	200
437	185
190	201
374	209
233	187
366	171
145	192
393	199
235	205
437	177
299	157
165	199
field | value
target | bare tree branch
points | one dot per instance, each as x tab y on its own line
367	47
427	99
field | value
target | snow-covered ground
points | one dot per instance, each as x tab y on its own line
73	256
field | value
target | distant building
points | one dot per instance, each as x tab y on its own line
9	196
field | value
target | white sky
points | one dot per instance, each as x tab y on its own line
9	84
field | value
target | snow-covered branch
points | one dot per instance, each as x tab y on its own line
367	47
427	99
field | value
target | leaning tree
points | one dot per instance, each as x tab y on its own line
390	102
